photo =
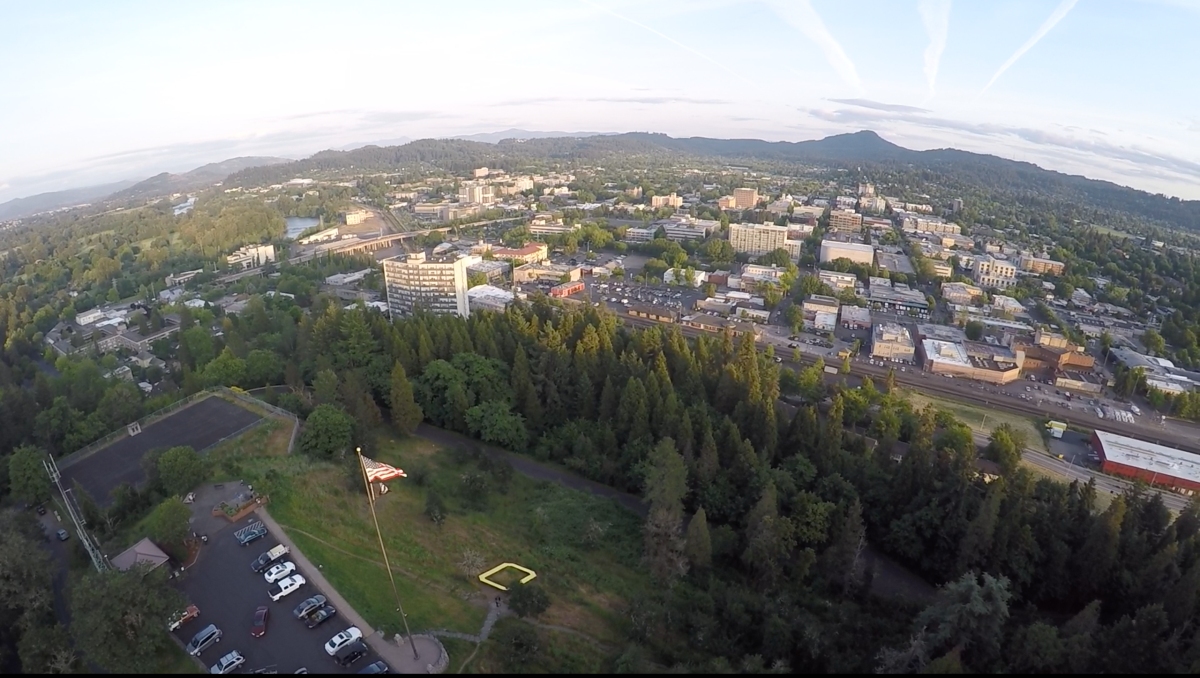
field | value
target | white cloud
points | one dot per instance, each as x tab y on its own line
935	15
802	17
1059	12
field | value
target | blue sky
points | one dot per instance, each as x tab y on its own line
97	92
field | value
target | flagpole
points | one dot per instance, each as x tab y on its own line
371	502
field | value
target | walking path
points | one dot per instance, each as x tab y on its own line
400	659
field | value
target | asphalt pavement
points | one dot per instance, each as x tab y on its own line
227	592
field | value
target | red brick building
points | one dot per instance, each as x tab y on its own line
1156	464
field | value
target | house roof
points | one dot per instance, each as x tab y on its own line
145	551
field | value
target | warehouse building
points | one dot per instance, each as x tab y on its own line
1156	464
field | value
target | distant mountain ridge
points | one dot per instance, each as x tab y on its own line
497	137
18	208
201	177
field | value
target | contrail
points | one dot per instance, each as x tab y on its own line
935	14
802	17
668	38
1059	12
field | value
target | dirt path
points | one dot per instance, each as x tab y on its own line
536	470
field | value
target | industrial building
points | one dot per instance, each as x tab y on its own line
858	253
856	318
488	298
891	341
436	284
972	360
1156	464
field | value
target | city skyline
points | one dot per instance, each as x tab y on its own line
129	89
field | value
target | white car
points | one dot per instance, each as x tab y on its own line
227	663
285	586
342	639
279	572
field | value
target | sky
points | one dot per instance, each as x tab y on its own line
99	92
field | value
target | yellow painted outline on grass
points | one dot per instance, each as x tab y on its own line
524	580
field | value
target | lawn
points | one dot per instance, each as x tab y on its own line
981	419
585	550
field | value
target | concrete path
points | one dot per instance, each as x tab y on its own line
494	615
400	659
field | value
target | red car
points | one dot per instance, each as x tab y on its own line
260	622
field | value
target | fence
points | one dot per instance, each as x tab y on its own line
97	445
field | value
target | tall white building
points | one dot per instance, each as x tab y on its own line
250	256
475	193
760	239
435	283
992	272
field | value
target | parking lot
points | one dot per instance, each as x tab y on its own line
227	591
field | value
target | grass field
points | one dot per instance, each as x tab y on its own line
586	550
981	419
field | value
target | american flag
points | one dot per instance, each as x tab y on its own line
379	472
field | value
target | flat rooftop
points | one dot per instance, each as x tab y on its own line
946	352
1149	456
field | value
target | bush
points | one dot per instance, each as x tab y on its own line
519	644
528	600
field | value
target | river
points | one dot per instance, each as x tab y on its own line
298	225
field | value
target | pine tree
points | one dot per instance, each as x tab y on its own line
699	544
665	485
406	413
633	415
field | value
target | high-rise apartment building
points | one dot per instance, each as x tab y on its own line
435	283
670	200
476	193
745	198
759	239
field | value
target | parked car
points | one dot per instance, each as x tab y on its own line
263	561
41	509
259	628
204	639
227	663
252	535
286	587
321	615
375	668
308	606
63	535
350	653
279	571
342	639
180	618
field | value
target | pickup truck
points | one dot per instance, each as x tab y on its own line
269	557
180	618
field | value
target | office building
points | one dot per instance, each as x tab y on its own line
992	272
891	341
845	221
837	281
745	198
436	284
669	200
488	298
819	303
855	252
639	234
960	293
250	256
1042	266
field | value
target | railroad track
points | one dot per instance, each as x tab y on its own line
933	385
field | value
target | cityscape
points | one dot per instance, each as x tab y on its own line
759	378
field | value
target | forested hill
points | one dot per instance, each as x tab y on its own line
1007	179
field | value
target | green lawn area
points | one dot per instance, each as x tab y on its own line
981	419
585	550
177	661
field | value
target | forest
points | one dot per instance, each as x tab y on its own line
760	512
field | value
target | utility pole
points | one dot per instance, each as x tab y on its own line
89	543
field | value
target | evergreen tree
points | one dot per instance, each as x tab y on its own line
699	543
406	413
